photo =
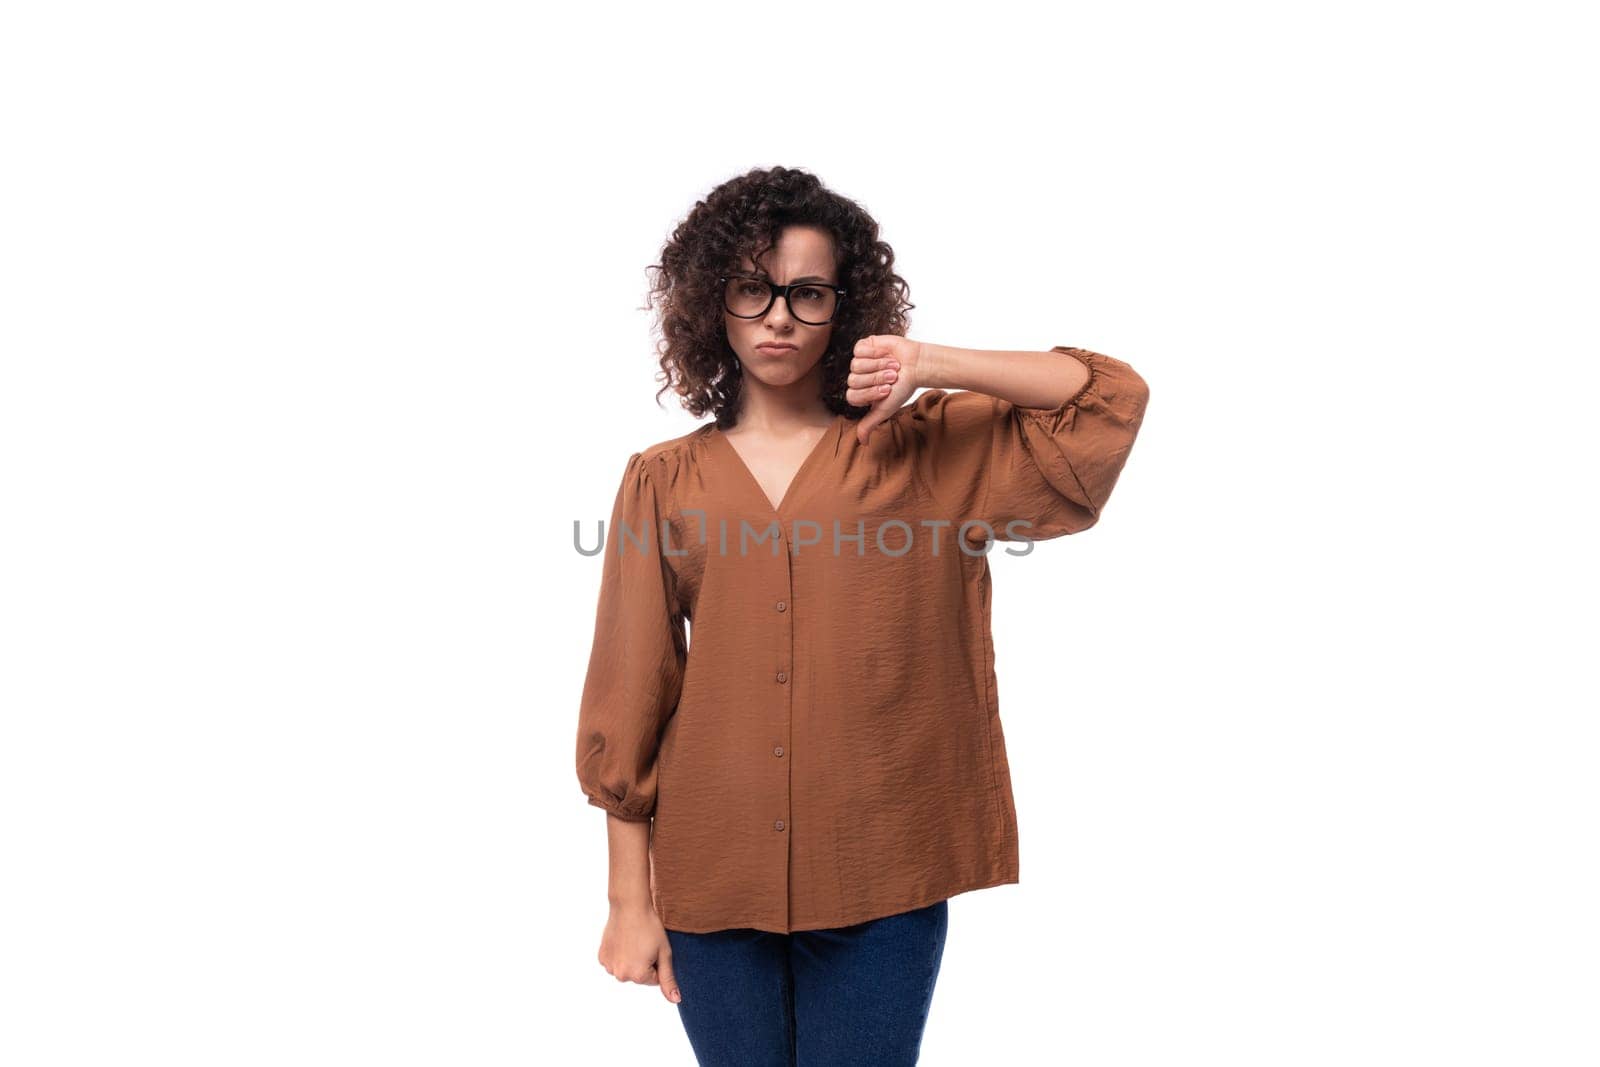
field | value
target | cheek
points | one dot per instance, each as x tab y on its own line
815	352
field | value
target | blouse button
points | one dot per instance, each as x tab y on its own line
782	677
782	606
777	750
778	825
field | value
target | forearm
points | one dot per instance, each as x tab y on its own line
1026	379
629	843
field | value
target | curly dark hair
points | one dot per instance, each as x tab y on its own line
746	215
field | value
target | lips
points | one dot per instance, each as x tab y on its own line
777	347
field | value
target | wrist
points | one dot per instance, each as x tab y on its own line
939	366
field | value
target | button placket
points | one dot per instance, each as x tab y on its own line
784	656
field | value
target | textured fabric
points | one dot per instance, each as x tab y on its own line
821	745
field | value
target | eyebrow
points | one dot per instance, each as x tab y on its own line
808	278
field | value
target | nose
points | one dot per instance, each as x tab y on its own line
778	313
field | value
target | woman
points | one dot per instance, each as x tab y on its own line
794	796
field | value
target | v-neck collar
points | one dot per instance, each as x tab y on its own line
828	438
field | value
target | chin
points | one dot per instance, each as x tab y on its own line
779	380
785	371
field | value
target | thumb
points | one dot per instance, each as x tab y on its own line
866	422
665	975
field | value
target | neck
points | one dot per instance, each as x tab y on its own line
783	408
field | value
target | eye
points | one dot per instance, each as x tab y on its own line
810	293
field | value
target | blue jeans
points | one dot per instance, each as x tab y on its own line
814	998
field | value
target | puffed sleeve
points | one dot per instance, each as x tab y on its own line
637	659
1053	468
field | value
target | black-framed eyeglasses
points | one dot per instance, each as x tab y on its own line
812	303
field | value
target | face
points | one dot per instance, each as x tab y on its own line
803	253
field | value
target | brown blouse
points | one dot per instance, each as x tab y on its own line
827	749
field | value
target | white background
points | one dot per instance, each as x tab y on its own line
321	324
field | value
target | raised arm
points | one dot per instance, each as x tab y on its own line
1035	438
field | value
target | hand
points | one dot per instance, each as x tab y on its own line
634	948
883	372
